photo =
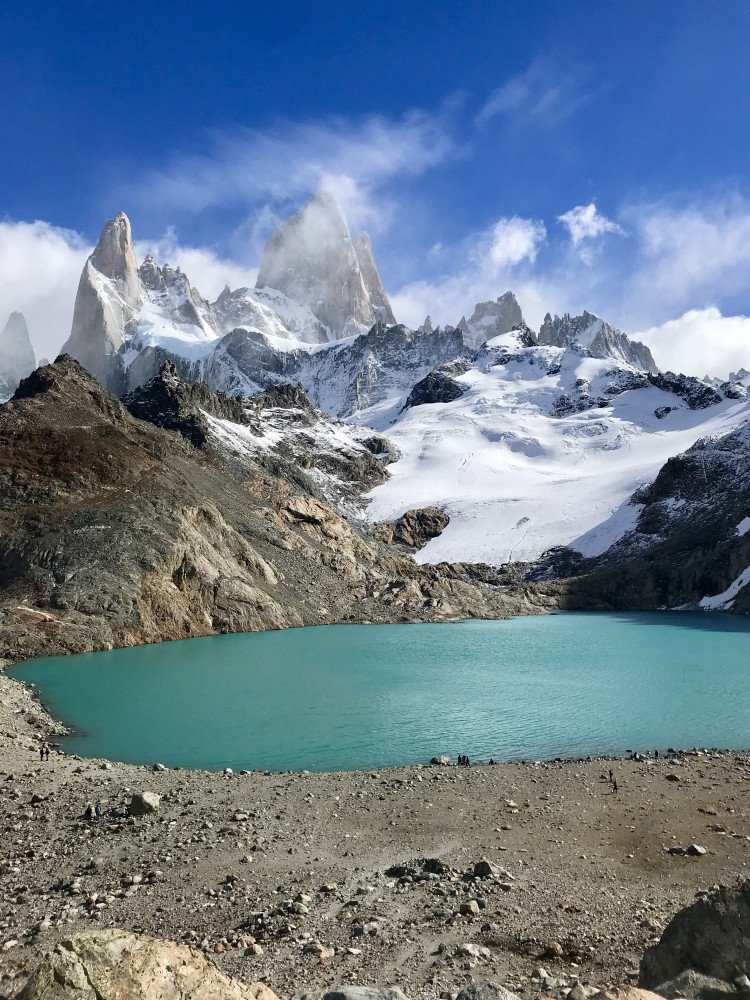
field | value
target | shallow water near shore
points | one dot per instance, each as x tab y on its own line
344	697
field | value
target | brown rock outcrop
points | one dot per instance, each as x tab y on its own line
112	964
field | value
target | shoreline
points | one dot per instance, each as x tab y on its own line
222	860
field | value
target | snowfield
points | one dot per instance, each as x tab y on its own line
515	478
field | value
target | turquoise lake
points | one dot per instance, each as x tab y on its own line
345	697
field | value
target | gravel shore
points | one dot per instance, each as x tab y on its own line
308	881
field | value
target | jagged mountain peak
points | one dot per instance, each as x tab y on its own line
312	259
16	354
114	256
491	319
601	338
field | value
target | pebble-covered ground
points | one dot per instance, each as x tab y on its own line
308	881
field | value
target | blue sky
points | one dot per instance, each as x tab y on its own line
585	155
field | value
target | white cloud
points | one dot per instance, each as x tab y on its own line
206	271
39	277
689	256
486	265
585	222
514	240
352	159
701	342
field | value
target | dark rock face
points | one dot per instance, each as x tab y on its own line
283	395
490	319
435	388
696	393
114	531
339	378
685	545
168	402
415	528
711	937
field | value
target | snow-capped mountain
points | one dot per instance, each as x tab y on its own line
532	447
527	442
316	285
688	543
603	340
16	355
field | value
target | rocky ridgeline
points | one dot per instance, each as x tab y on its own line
231	536
687	542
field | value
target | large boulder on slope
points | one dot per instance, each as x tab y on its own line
111	964
711	936
437	387
414	528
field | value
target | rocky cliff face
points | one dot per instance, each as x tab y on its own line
312	259
341	379
603	340
16	355
690	546
490	319
114	531
109	296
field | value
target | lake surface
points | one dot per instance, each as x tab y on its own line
343	697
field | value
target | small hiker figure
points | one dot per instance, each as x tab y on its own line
98	811
610	775
89	814
467	762
614	787
656	754
41	752
46	752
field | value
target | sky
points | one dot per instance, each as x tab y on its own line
583	155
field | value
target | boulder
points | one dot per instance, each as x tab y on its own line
142	803
711	936
692	986
365	993
110	964
442	760
437	387
486	991
486	869
415	528
634	993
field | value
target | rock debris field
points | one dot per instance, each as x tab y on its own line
536	876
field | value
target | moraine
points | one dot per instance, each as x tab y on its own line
358	696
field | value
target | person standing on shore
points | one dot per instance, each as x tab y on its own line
614	787
41	752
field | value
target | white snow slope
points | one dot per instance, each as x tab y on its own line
517	480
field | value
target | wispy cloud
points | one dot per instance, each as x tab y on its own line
690	255
541	95
355	160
